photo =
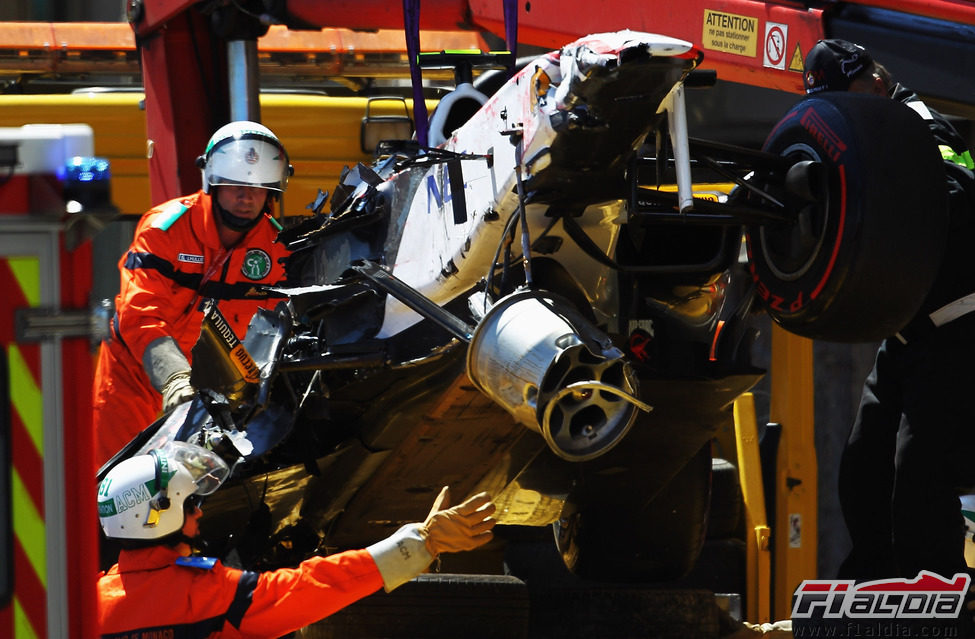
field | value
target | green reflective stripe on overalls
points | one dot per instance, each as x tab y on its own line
948	154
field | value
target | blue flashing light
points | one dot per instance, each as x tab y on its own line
85	169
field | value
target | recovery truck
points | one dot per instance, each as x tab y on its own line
51	190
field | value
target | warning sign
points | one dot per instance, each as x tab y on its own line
776	36
730	33
795	64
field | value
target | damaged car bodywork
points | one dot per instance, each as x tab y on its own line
526	309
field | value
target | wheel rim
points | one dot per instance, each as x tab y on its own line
791	250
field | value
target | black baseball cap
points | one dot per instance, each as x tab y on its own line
833	64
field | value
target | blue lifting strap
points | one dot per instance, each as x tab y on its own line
511	31
411	22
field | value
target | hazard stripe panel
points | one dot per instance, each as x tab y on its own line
28	528
28	612
25	393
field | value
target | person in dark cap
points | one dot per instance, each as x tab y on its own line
909	453
833	65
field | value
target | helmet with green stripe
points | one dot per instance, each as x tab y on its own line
142	497
245	153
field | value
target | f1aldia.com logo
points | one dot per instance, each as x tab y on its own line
927	596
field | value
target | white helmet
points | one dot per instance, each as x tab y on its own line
143	496
245	153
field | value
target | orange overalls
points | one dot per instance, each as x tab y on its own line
148	594
174	263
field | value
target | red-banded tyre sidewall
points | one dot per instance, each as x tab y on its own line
856	265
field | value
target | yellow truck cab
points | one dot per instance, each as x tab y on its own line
321	133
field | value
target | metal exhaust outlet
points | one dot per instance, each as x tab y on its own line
555	372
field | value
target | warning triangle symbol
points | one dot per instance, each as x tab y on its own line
795	64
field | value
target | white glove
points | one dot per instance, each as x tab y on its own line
176	390
409	551
465	526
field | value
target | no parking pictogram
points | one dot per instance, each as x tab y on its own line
776	37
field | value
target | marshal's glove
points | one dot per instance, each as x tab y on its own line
409	551
176	390
168	371
465	526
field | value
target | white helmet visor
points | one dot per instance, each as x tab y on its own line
250	160
205	467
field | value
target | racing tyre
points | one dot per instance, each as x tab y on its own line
858	260
610	536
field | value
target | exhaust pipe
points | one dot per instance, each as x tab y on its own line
555	372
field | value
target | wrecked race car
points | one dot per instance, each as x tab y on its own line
530	307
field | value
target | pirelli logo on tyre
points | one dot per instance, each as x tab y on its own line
773	301
831	143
